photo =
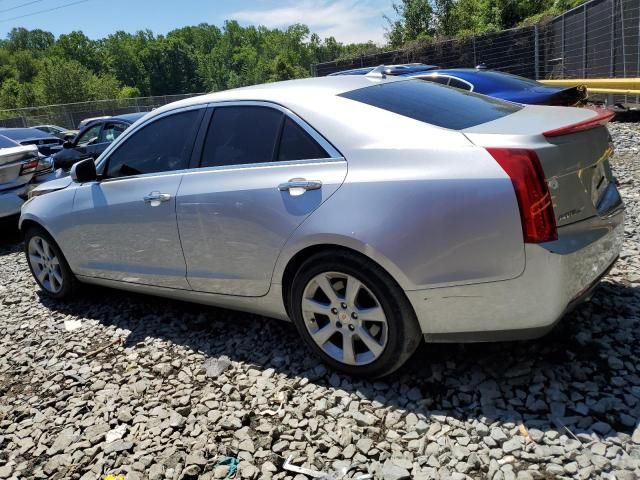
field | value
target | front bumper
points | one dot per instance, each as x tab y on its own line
557	276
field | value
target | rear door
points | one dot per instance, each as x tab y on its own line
262	172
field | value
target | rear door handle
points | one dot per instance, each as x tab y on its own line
300	184
154	198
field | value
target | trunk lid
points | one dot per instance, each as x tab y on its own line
11	161
575	165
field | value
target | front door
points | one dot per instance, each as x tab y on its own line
262	173
127	221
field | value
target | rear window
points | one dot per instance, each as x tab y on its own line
432	103
507	80
6	143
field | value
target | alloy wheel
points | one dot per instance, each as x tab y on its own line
45	264
344	318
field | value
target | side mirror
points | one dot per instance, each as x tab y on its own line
67	144
84	171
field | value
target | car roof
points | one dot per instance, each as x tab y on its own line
285	91
128	117
398	69
21	134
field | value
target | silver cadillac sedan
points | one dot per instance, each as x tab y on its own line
373	212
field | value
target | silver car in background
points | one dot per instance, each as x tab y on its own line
18	167
373	212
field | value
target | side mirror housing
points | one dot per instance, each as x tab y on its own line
84	171
67	144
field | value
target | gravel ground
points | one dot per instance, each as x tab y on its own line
143	387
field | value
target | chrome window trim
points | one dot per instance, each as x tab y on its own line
130	131
323	142
263	165
426	77
334	154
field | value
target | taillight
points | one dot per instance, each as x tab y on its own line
602	117
534	199
29	167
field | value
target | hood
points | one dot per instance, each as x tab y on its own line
63	181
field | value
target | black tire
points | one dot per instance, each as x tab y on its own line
404	335
69	281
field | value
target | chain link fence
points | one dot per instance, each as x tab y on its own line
71	114
599	39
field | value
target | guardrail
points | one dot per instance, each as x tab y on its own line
614	86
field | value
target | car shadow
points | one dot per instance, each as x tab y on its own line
565	381
10	236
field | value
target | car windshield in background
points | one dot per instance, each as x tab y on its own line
432	103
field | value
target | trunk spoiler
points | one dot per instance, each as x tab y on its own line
602	117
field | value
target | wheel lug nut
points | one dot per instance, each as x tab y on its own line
343	305
338	324
352	328
334	311
354	315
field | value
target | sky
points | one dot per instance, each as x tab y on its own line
346	20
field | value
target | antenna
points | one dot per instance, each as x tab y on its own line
377	72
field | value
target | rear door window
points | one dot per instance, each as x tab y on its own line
111	131
437	79
241	135
296	144
90	136
434	104
454	82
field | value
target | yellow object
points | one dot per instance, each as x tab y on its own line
627	84
613	91
114	477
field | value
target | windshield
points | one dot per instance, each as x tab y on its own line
433	103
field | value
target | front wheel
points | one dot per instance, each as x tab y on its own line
47	264
352	314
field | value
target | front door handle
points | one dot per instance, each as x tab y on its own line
297	186
155	198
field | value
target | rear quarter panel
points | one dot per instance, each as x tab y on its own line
430	216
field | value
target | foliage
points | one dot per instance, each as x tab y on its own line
38	69
427	19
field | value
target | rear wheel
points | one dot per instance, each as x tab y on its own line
47	264
352	314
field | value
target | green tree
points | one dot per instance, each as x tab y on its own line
36	41
128	92
67	81
77	46
171	66
25	66
415	22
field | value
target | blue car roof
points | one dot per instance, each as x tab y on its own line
493	80
400	70
130	117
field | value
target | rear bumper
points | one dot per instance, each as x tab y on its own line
11	200
557	276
